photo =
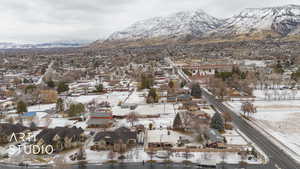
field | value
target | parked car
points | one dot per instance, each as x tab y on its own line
162	154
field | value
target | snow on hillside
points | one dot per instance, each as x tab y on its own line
182	23
283	20
58	44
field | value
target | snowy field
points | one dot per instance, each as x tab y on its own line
278	94
279	118
114	98
138	155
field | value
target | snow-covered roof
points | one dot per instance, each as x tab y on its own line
167	136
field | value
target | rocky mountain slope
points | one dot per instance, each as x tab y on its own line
282	21
194	23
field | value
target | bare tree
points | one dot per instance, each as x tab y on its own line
251	79
294	93
151	153
111	155
187	153
248	108
227	117
60	162
121	150
47	121
169	153
132	118
223	156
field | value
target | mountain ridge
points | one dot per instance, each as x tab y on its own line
277	21
56	44
195	22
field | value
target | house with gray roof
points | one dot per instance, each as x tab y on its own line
115	140
7	130
214	138
61	138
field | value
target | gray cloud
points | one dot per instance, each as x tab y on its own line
51	20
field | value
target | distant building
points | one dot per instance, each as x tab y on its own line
184	98
100	118
171	99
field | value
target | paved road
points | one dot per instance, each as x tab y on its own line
278	158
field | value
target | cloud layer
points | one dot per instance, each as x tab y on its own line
34	21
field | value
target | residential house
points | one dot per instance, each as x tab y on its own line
61	138
189	121
101	117
121	138
171	99
163	138
214	139
7	130
48	96
184	98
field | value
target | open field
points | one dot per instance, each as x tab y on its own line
279	118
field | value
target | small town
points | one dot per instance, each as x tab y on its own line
150	85
147	113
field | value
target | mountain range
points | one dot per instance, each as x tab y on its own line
282	21
57	44
195	23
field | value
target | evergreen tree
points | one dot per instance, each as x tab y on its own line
50	83
182	84
26	80
33	126
30	88
177	121
217	122
146	81
76	109
152	96
60	105
21	107
99	88
62	87
171	84
196	90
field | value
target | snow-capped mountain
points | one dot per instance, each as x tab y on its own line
283	20
58	44
194	22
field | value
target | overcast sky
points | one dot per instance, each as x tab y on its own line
35	21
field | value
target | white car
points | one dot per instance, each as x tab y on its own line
162	154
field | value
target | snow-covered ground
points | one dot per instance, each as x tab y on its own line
139	155
167	114
279	118
234	138
165	111
114	98
272	94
